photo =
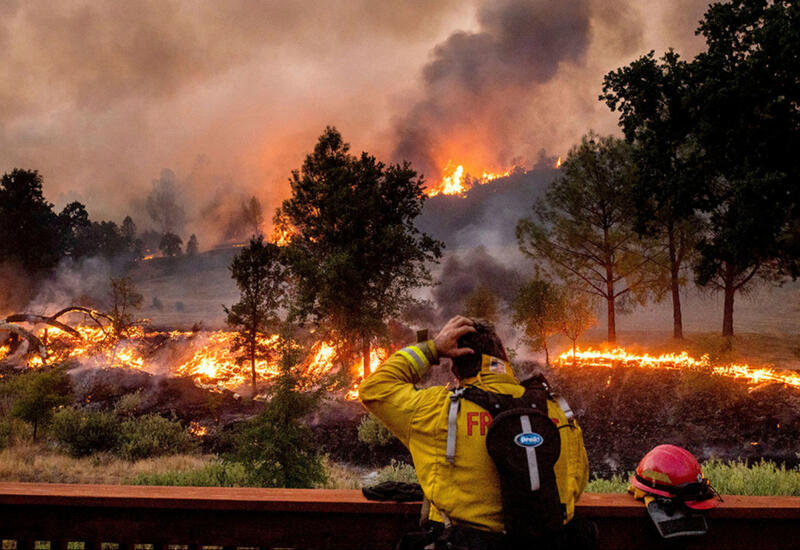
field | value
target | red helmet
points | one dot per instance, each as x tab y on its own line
674	472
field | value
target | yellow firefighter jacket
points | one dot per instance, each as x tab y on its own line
468	490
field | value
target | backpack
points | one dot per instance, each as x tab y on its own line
524	444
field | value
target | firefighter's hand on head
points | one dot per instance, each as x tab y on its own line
446	341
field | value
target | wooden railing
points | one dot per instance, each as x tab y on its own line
31	513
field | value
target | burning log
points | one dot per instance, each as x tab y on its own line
32	339
40	319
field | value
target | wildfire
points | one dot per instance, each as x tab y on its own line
205	356
678	361
558	163
456	181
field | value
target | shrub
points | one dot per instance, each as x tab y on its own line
128	404
372	432
277	447
12	430
152	435
83	432
397	471
218	474
37	393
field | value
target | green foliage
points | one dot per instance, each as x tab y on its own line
653	100
762	478
372	432
37	393
617	483
582	229
276	447
539	310
128	404
355	252
82	431
217	474
397	471
481	303
714	140
152	435
261	279
12	430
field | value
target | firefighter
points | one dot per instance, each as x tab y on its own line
458	477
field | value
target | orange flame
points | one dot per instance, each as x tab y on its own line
558	163
456	180
678	361
206	356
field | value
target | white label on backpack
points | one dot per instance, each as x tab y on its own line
529	440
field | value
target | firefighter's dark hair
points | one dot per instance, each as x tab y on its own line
484	341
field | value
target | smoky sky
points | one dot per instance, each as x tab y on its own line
102	96
461	275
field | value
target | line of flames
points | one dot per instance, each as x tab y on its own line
211	363
676	361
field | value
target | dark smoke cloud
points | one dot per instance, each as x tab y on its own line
462	275
101	95
521	43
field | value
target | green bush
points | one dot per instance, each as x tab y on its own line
372	432
218	474
397	471
153	435
37	394
83	432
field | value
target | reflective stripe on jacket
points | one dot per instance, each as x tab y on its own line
468	491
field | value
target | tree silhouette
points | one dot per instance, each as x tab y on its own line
355	253
29	229
261	279
170	245
583	228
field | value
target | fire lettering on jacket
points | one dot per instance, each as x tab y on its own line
478	419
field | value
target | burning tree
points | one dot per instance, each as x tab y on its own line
583	228
261	279
355	252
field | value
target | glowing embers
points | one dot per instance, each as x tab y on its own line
204	356
456	180
618	357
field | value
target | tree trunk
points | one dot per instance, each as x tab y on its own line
546	353
727	312
674	265
612	322
677	320
574	352
610	299
365	349
253	364
35	426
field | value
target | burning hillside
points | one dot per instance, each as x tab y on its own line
203	356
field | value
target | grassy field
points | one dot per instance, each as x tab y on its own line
35	463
